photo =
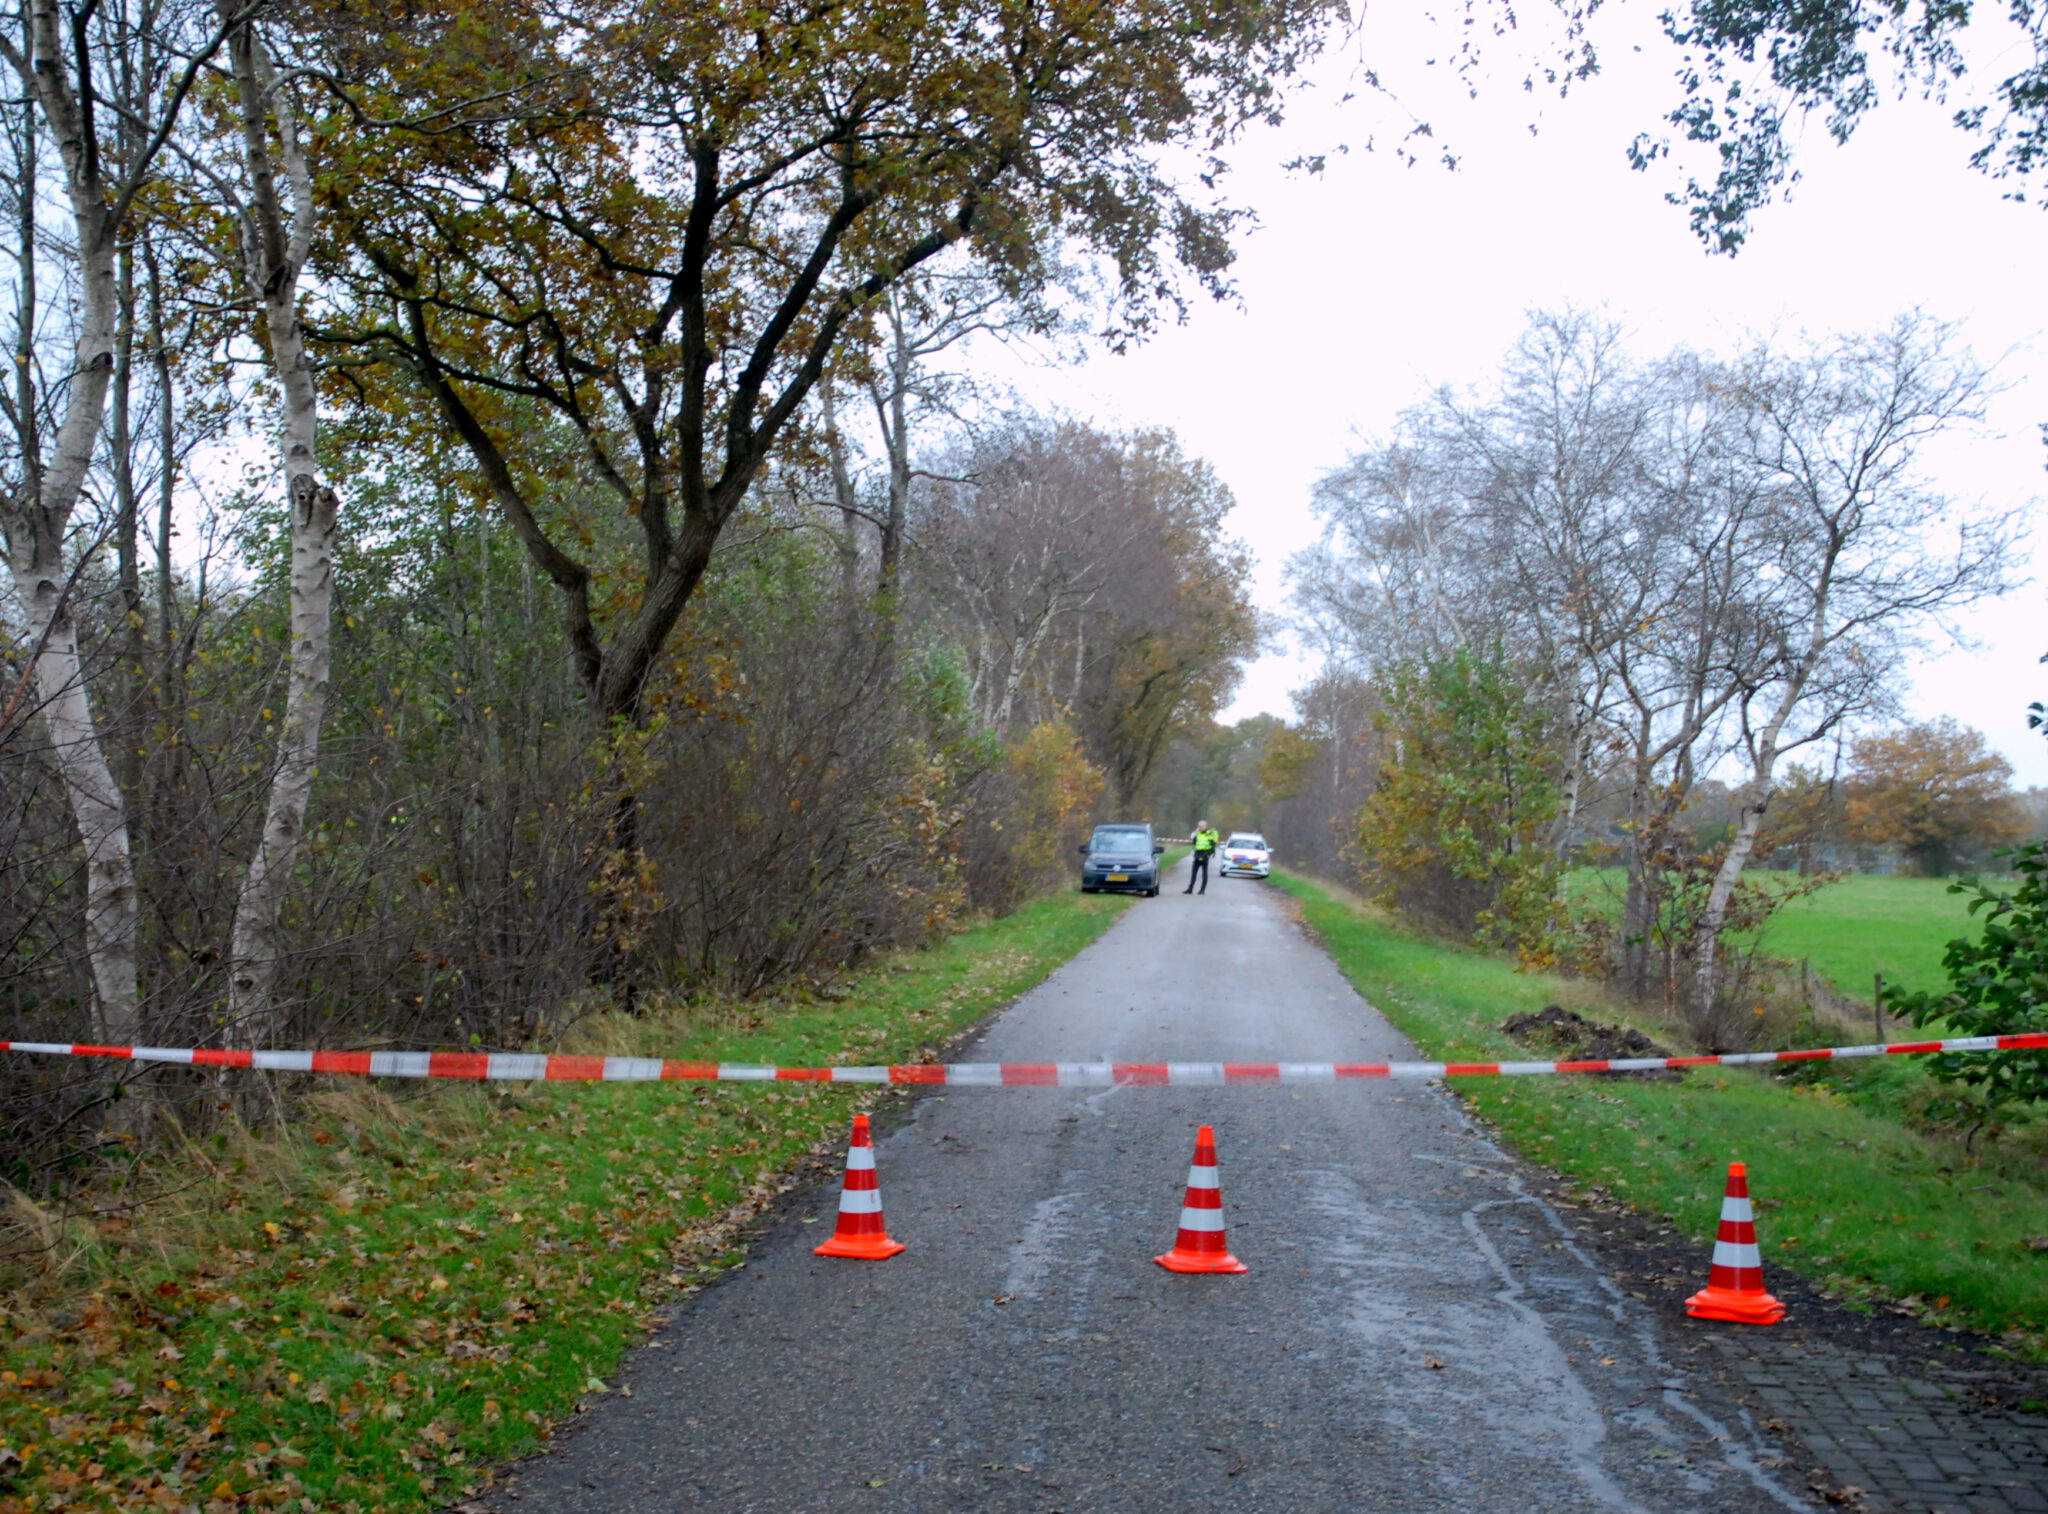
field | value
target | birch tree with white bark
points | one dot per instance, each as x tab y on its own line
84	98
1024	549
1713	563
1858	553
275	217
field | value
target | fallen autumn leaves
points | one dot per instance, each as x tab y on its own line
363	1314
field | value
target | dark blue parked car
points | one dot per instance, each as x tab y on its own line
1121	859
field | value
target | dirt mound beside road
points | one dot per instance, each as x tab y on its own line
1570	1037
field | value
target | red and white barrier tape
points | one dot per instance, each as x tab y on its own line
528	1067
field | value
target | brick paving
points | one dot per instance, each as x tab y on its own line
1895	1435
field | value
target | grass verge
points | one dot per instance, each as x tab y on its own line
361	1313
1858	1202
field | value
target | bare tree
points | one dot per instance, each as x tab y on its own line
896	363
1853	556
1085	577
1388	580
1025	547
1544	519
1708	562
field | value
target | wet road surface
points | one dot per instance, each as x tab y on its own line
1418	1331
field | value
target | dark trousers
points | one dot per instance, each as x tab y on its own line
1199	869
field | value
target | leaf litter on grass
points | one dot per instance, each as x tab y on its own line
362	1314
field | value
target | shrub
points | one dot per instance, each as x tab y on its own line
1998	982
1456	835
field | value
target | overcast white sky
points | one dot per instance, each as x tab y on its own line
1367	286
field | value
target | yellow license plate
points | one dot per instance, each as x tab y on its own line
1118	878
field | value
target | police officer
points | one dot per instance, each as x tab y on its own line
1205	839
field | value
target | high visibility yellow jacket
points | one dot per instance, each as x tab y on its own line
1206	841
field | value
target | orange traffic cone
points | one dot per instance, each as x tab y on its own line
1200	1246
861	1233
1735	1284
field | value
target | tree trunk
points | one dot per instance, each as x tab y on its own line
127	549
97	807
1636	910
1567	825
273	266
131	678
1706	940
167	475
843	495
895	417
38	522
1756	799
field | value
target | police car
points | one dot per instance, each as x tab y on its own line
1246	854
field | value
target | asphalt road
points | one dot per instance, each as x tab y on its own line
1418	1331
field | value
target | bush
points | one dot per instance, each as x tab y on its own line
1456	835
1027	812
1999	982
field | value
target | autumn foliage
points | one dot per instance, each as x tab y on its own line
1457	831
570	664
1936	791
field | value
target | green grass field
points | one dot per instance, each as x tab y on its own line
1864	925
1852	928
1846	1193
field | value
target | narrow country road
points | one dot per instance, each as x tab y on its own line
1417	1333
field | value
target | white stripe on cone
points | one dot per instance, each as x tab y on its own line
1737	1254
